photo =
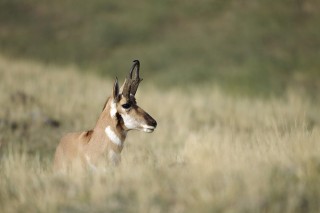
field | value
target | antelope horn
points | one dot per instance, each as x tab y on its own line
132	81
135	77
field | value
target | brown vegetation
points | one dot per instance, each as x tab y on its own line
210	153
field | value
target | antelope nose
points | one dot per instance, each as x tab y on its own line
154	123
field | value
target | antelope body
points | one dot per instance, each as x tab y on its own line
120	114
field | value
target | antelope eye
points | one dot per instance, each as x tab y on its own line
126	106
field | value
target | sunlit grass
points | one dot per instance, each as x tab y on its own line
210	152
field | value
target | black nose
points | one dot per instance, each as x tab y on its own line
150	120
154	123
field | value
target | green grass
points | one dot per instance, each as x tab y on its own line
246	47
211	152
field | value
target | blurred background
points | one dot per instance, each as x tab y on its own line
233	84
250	47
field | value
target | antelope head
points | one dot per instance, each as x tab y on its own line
124	105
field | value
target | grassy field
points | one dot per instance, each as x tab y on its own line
211	152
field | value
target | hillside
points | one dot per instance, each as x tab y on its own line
246	47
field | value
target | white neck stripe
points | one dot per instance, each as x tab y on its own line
113	109
112	136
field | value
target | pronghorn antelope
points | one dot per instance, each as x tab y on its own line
120	114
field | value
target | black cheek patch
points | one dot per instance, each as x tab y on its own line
119	119
118	116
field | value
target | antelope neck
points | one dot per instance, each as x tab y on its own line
111	124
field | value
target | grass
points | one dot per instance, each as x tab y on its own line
211	152
250	47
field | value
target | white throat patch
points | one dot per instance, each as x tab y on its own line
113	109
130	122
113	136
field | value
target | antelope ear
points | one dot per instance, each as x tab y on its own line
116	96
122	86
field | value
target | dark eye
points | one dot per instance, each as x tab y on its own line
126	106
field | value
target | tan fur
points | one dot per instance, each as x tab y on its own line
90	149
76	149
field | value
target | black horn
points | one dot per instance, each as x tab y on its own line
133	80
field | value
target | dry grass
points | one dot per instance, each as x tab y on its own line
210	152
